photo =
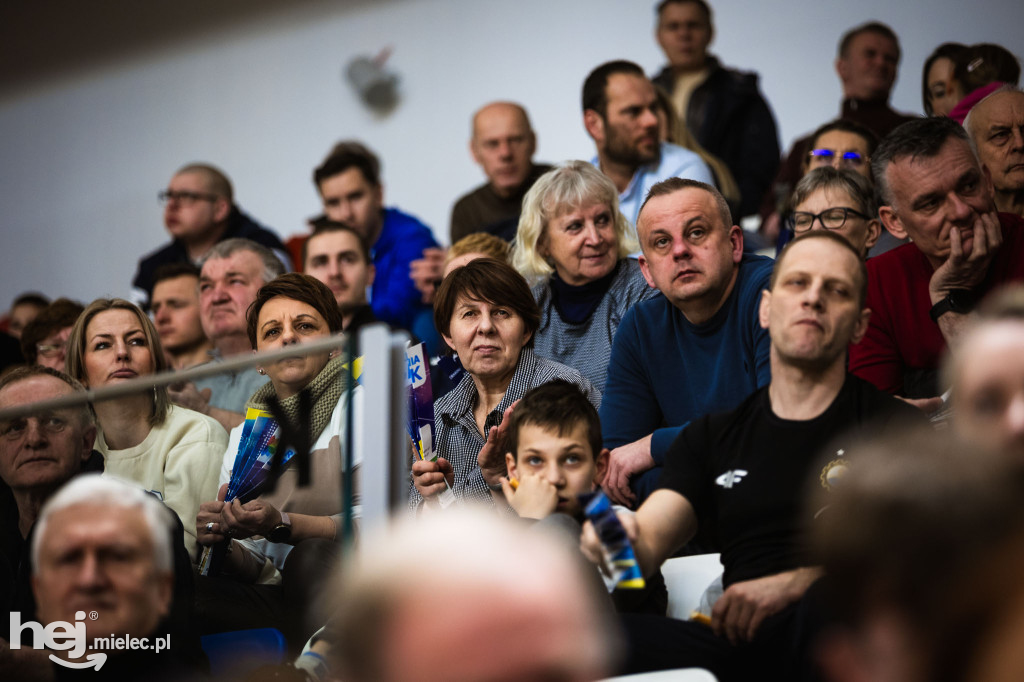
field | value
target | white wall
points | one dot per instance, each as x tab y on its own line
82	156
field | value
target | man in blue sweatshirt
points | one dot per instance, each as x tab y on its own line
697	349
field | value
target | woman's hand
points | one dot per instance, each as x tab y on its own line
491	458
256	517
429	477
209	528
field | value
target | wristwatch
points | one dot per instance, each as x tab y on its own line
283	531
957	300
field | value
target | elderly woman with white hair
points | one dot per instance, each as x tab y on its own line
573	246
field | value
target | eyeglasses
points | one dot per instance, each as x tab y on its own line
48	350
831	219
827	157
184	198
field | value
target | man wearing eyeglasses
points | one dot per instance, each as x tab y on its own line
199	211
922	294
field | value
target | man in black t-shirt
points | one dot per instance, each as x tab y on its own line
743	473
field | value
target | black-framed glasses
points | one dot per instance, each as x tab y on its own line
184	198
827	157
830	219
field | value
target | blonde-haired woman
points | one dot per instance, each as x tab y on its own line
168	450
573	246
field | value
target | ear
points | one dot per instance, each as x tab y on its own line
448	340
842	69
532	144
861	327
221	210
602	466
736	239
527	337
874	232
378	194
88	440
371	273
510	464
646	272
473	151
892	222
165	592
594	124
989	186
764	309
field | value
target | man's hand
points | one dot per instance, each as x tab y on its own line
965	269
187	395
742	608
491	458
426	272
624	462
591	545
535	498
209	512
429	477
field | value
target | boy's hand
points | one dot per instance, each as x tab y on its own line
536	497
591	545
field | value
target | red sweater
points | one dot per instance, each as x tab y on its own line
902	342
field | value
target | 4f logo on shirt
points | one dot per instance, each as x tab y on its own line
731	478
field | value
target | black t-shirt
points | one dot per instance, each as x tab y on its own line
745	472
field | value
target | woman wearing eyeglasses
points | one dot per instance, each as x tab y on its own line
841	144
838	200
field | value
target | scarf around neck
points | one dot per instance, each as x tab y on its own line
325	389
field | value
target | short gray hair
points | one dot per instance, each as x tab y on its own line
853	183
272	267
113	492
919	138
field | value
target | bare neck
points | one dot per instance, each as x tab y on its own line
198	247
29	503
190	357
620	173
490	393
234	344
701	310
801	393
1011	201
124	422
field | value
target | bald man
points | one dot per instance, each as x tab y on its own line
503	143
996	128
199	211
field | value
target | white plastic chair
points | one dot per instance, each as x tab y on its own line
687	577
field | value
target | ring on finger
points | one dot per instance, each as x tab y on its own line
209	527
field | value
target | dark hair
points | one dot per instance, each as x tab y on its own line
919	138
556	406
862	271
846	126
173	271
926	528
704	7
673	185
349	154
60	314
31	298
876	27
985	63
324	225
950	51
297	287
595	87
491	281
